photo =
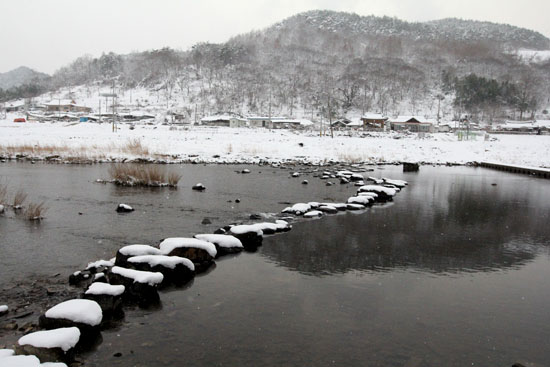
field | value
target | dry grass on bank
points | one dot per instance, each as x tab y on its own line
19	198
35	211
143	175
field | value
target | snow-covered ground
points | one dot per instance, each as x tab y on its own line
245	145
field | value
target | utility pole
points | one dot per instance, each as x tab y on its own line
330	117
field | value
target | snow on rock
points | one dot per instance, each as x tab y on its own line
199	187
363	200
175	245
137	276
282	225
368	193
355	206
105	289
20	361
77	310
164	261
377	181
124	208
6	353
4	309
1	208
251	236
397	183
298	209
53	364
313	214
384	193
338	206
224	243
100	264
125	252
328	209
63	338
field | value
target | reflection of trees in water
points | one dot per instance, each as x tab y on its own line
468	229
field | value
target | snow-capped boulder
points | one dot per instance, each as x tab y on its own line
356	177
140	286
329	209
397	183
305	182
296	174
108	296
124	208
246	170
2	209
282	225
125	252
79	278
225	244
201	253
199	187
377	181
99	266
384	193
362	200
251	236
47	345
355	207
344	180
338	206
4	309
175	269
6	353
313	214
20	361
298	209
84	314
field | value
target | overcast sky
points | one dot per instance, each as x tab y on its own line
46	35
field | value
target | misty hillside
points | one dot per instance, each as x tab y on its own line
326	63
21	75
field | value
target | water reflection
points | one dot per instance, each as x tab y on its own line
453	224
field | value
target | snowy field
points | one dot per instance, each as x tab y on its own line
228	145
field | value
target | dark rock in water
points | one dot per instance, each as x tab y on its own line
251	240
493	184
410	167
111	304
124	208
246	170
518	365
206	221
220	231
216	156
344	180
305	182
80	278
199	187
301	144
328	209
329	183
255	216
237	200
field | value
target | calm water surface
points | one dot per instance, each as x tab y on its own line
454	272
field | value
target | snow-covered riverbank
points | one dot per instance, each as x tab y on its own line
97	142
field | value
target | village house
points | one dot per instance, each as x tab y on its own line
66	105
416	124
260	121
373	121
224	121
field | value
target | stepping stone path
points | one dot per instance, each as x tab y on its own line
137	271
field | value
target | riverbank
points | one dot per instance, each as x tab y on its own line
85	142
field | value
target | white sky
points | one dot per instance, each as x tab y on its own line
46	35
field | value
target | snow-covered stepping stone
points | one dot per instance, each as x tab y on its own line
356	177
82	313
80	277
338	206
201	253
298	209
225	244
53	364
397	183
99	266
19	361
125	252
355	207
140	286
250	235
282	225
124	208
109	297
49	345
329	209
384	193
6	353
313	214
363	200
175	269
377	181
2	208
